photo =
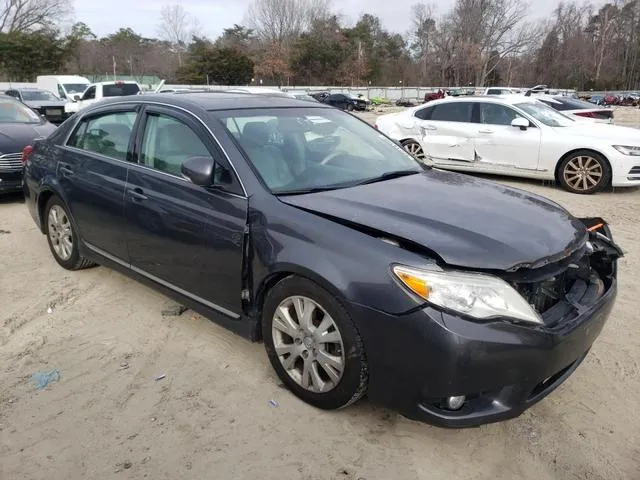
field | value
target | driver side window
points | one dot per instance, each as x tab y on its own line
168	142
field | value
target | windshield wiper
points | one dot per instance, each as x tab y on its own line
388	176
302	191
379	178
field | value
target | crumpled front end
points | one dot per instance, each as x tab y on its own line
494	370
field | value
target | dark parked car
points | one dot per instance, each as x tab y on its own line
42	101
19	126
452	299
319	96
345	101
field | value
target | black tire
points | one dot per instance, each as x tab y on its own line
75	261
597	164
353	383
350	107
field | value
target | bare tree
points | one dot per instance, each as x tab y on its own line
602	28
177	27
423	36
27	15
491	30
281	21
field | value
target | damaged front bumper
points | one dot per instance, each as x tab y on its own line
500	367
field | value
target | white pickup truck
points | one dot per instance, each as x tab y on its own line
97	91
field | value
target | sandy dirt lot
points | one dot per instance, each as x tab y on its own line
211	416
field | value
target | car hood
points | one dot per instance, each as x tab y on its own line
15	136
46	103
467	222
607	133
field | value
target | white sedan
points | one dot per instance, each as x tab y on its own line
518	136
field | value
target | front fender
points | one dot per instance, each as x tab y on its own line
354	266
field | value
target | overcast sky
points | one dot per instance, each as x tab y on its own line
215	15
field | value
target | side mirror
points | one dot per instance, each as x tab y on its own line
521	123
199	170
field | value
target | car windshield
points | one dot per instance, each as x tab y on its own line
38	96
12	111
72	88
298	150
545	114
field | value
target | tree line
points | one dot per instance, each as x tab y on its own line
304	42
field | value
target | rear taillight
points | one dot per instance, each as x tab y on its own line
26	153
587	114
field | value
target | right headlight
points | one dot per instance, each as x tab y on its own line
477	295
628	149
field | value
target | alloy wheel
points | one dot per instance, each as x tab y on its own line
583	173
415	149
60	233
308	344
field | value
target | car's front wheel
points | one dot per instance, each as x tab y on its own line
313	344
415	149
62	236
584	172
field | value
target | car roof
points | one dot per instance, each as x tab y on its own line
214	100
509	99
112	82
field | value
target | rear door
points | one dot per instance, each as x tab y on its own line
186	237
92	172
498	145
447	131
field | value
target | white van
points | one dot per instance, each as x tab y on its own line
63	85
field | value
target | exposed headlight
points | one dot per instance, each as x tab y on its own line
627	149
476	295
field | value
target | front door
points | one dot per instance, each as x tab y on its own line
447	133
501	146
93	171
187	237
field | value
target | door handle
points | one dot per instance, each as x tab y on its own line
485	131
137	194
65	170
430	127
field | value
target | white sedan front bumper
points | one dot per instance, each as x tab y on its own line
625	169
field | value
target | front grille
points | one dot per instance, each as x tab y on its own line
634	170
11	162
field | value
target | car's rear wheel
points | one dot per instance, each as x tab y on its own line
415	149
62	237
584	172
313	344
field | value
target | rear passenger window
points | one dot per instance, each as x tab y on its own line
424	113
107	135
452	112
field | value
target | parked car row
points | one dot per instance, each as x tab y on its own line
623	99
519	136
452	299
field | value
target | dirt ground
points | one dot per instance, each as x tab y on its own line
220	413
